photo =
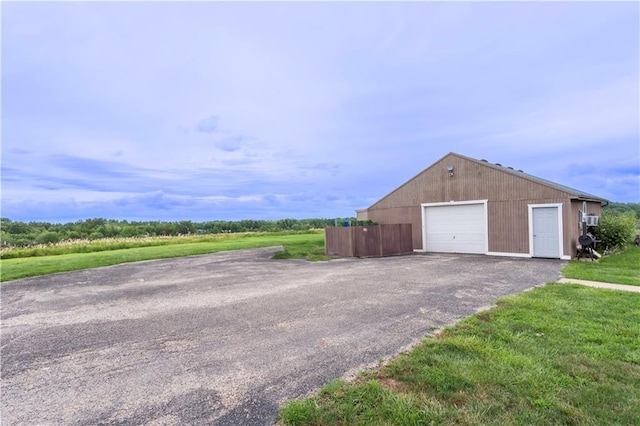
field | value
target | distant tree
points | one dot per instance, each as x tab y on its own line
16	233
109	230
15	227
95	235
130	231
619	208
286	224
185	227
72	235
48	237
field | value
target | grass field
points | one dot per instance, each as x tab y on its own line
622	268
106	244
303	245
560	354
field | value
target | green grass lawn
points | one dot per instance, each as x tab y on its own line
560	354
310	245
621	268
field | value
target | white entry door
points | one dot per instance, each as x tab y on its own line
546	234
455	228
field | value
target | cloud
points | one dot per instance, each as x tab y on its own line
156	200
20	151
615	180
158	205
91	166
208	125
9	174
238	162
202	109
576	118
231	144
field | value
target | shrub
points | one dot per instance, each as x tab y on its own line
48	237
96	235
616	231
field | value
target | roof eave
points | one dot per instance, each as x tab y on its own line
584	197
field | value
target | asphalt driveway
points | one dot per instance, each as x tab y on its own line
225	338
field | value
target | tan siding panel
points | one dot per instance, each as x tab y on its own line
470	181
412	215
572	224
508	198
508	195
508	227
509	224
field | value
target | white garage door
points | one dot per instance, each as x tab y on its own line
455	228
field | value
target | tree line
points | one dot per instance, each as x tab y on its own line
23	234
622	208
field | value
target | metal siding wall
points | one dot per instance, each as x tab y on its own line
509	196
362	214
471	181
509	225
572	224
411	215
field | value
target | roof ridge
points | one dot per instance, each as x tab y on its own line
572	191
543	181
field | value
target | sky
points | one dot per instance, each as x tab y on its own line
267	110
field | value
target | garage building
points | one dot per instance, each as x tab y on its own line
463	205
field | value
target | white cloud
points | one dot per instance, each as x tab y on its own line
208	125
328	100
577	119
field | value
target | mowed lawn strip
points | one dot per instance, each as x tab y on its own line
621	268
559	354
11	269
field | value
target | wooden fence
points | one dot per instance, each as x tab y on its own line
368	241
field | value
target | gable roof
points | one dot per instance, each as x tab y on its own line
575	193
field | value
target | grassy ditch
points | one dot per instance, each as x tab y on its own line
560	354
34	265
620	268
